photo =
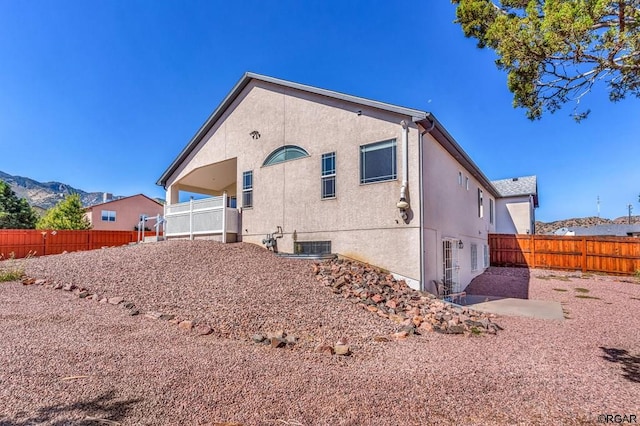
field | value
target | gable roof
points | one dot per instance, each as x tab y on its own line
425	119
518	186
121	199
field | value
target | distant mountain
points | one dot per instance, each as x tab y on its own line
549	228
44	195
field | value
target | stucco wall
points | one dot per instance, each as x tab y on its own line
451	211
362	221
128	211
515	215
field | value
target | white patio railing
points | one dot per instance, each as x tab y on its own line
208	216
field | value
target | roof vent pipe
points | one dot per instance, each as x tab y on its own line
403	204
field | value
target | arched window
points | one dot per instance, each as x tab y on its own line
285	153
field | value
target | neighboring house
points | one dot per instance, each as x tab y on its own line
609	229
516	207
124	214
317	171
564	232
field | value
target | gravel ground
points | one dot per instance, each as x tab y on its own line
73	361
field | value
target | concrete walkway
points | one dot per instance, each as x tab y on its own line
542	309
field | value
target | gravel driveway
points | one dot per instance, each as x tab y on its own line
73	361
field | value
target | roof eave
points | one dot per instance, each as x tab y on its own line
416	115
449	143
208	124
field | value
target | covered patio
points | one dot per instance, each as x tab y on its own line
203	204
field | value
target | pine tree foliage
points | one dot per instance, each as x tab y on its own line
15	213
67	214
555	51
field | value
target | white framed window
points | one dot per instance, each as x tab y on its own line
328	180
491	211
378	162
460	178
108	216
480	203
486	256
466	182
247	189
474	257
285	153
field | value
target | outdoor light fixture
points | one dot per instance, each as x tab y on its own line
255	135
460	244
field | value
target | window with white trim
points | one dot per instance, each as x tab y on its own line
247	189
108	216
466	182
285	153
474	257
460	178
480	203
328	180
378	162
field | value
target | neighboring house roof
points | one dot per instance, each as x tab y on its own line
613	229
562	231
425	119
121	199
517	187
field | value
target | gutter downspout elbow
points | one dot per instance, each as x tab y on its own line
403	204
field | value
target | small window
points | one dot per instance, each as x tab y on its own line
486	256
466	182
474	257
312	247
378	162
460	178
108	216
247	189
491	211
285	153
329	175
480	203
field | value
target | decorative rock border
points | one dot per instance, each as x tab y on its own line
200	329
416	312
275	339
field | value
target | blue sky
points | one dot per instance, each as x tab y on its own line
103	95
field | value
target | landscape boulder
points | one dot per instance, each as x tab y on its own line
415	312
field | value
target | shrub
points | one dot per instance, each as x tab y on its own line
10	269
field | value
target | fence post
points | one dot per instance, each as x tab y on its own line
224	217
533	251
584	254
191	218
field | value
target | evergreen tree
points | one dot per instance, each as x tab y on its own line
15	213
555	51
67	214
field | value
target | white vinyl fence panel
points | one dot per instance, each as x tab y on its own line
201	217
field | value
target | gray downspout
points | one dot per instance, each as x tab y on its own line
423	285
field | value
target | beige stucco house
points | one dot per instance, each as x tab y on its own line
516	207
320	171
123	214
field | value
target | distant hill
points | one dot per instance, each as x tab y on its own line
549	228
44	195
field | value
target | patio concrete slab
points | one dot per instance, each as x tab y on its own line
542	309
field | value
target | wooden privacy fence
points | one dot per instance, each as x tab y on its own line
610	255
22	242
